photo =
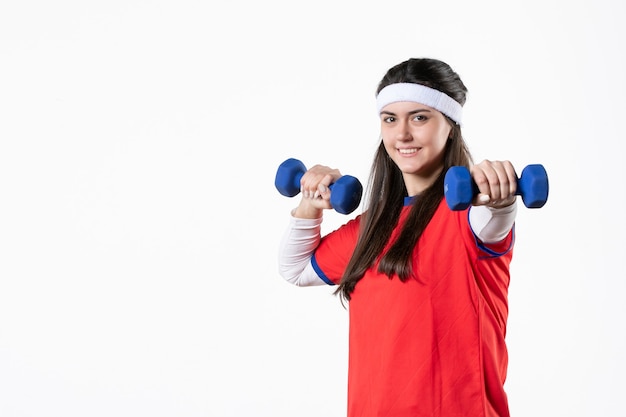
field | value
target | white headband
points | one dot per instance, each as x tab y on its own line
420	94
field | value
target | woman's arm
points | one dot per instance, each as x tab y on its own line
296	249
493	214
490	224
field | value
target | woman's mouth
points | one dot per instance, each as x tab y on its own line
408	151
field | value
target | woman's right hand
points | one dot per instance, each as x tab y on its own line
315	191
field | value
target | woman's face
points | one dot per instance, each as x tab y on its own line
415	137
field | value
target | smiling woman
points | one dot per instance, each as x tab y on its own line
427	287
415	137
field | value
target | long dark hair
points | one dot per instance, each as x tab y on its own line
387	190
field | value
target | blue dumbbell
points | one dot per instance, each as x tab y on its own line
460	188
345	193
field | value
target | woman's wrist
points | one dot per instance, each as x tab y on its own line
307	211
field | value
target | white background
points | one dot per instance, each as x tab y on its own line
139	222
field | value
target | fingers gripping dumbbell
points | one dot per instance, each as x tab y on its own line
460	188
345	193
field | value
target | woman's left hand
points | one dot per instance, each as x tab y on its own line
497	183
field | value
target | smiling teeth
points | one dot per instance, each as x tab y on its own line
407	151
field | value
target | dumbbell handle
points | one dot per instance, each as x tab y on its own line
345	194
460	189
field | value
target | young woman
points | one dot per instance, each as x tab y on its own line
426	287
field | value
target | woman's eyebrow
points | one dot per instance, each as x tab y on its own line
419	111
412	112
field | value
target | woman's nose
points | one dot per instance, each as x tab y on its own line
403	132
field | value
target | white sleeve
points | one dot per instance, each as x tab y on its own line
296	249
492	225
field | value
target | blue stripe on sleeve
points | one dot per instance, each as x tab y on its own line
483	246
321	274
493	254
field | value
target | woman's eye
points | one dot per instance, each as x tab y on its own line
389	119
419	117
